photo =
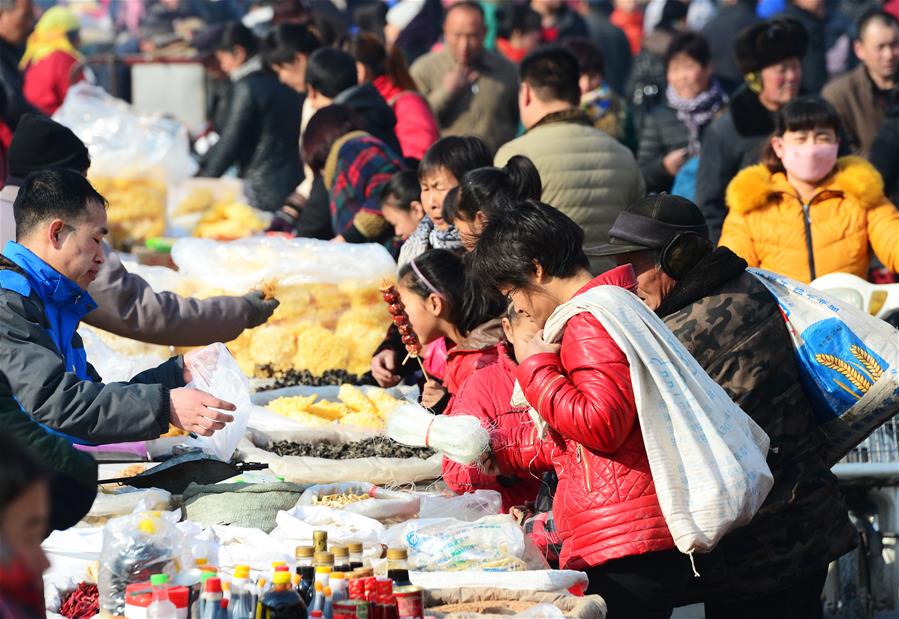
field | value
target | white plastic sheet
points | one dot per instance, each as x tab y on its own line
470	506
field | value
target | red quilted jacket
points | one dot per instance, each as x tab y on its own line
605	505
476	351
486	395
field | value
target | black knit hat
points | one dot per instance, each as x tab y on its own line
651	223
40	143
768	43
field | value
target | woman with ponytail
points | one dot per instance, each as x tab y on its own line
385	68
489	190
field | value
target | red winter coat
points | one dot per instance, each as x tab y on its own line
486	395
605	505
476	351
47	81
416	126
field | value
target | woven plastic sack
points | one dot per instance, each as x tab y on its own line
383	504
254	506
847	362
495	603
215	371
707	457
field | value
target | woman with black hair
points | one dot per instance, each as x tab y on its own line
386	70
24	524
605	507
441	169
693	99
262	129
444	307
354	167
804	212
489	190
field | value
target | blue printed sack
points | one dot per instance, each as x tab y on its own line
848	361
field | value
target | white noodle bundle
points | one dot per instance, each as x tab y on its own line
460	438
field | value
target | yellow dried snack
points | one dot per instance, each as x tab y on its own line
329	410
356	400
383	401
318	349
290	404
363	420
275	345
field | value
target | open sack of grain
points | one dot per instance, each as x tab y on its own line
491	603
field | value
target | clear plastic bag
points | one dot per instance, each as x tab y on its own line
494	543
382	504
470	506
122	142
238	266
134	548
216	372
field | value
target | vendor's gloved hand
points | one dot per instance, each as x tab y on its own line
261	309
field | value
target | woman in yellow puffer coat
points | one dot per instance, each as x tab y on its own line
804	213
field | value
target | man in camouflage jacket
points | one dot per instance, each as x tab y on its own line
776	565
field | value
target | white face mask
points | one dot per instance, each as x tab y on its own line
809	162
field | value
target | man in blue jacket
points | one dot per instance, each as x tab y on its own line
60	225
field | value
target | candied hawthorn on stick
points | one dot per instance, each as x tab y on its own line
401	319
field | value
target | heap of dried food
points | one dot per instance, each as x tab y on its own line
339	501
377	446
82	602
305	378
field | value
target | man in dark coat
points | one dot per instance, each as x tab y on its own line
775	566
732	19
612	42
768	56
331	78
812	14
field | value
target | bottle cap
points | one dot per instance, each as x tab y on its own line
355	547
338	576
242	571
328	592
340	551
315	614
324	558
397	554
323	569
147	526
157	580
200	561
213	585
318	587
282	578
304	552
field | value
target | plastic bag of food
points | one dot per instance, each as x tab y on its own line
470	506
295	527
125	501
362	498
134	548
215	371
493	543
123	142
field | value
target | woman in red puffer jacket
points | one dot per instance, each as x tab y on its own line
486	395
605	508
